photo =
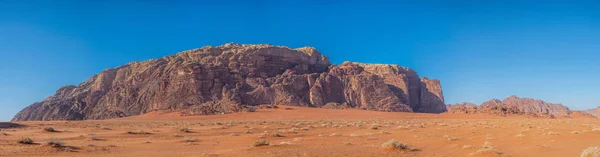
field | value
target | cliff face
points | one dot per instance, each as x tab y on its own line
513	105
231	78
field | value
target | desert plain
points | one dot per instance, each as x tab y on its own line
301	131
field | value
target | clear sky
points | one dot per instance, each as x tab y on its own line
478	49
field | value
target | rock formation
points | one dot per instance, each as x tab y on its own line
594	112
513	105
235	77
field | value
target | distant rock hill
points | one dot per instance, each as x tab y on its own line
594	112
514	105
233	78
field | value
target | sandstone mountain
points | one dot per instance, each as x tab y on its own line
513	105
594	112
235	77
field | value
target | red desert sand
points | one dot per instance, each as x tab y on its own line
298	131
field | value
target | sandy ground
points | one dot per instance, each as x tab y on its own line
305	132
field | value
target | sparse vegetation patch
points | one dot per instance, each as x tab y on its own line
591	152
54	142
49	129
395	145
25	140
260	143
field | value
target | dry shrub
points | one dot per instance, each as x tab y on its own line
49	129
260	143
25	140
54	142
395	145
591	152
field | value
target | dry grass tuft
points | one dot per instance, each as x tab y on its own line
274	134
92	137
260	143
591	152
487	148
25	140
395	145
450	138
54	142
186	130
189	139
49	129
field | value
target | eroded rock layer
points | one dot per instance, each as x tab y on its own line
514	105
232	78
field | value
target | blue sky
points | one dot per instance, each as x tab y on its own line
479	50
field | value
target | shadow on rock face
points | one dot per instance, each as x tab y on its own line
6	125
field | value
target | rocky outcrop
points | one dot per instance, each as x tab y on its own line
465	107
513	105
234	78
594	112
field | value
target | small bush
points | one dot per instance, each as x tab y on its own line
189	139
449	138
92	137
394	144
260	143
487	148
25	140
54	142
185	130
276	135
49	129
591	152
